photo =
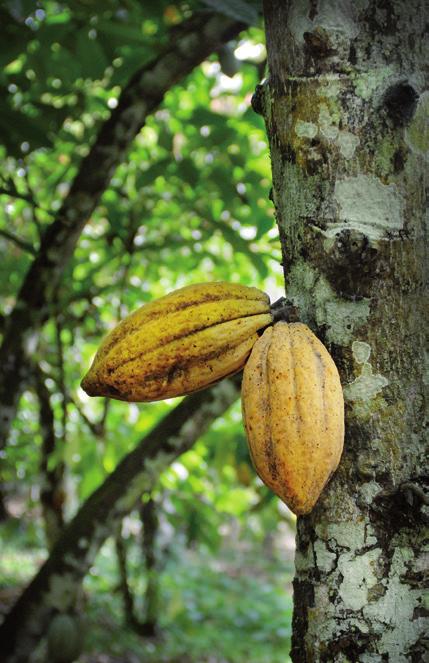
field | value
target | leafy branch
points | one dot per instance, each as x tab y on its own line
190	44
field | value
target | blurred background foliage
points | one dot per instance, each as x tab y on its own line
190	203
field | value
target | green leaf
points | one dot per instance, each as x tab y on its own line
16	128
238	9
120	32
188	172
91	55
241	246
148	176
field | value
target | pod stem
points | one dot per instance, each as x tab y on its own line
283	309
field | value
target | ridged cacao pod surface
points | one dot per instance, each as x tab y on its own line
293	411
181	343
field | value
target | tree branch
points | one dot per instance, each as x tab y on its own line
150	524
52	493
56	584
124	587
18	241
190	44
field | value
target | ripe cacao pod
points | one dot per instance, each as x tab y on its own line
293	411
180	343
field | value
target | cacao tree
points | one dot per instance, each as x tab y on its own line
346	107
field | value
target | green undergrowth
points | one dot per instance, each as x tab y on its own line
232	608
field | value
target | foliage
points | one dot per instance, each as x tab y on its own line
188	204
234	605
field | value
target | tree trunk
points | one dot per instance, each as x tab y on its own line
52	493
56	586
148	626
4	514
149	520
130	619
345	108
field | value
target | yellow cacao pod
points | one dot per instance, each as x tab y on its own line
180	343
293	411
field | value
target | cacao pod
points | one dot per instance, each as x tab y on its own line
180	343
293	411
64	639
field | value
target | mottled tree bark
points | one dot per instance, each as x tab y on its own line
189	45
56	586
345	108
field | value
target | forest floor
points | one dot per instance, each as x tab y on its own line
232	606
